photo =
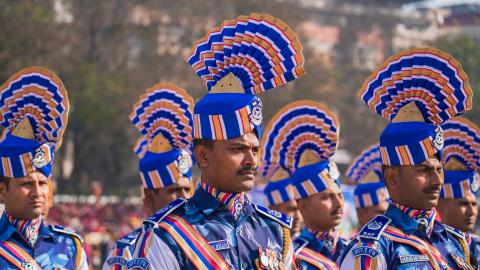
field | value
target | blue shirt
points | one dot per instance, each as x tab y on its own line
238	242
373	249
55	248
122	252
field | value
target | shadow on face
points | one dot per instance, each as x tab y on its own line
25	197
416	186
290	208
322	211
459	213
368	213
229	165
156	199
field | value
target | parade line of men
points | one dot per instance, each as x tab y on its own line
415	189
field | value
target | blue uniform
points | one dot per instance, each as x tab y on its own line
121	254
308	258
56	248
474	244
258	233
394	241
330	248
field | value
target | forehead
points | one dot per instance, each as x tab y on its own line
34	176
250	139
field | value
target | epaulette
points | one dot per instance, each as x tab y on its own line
454	231
475	238
281	218
299	243
66	230
374	229
153	220
131	238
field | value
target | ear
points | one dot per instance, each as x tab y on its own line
301	204
3	191
148	200
201	155
390	177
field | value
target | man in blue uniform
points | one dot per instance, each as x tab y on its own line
34	109
370	194
218	228
416	90
457	205
165	161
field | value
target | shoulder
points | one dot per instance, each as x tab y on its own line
66	231
455	232
279	217
475	238
373	230
131	238
154	219
299	243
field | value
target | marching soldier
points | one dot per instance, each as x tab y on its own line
370	195
416	90
457	205
34	108
308	133
218	228
164	117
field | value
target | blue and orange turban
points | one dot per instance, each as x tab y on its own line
461	159
303	136
366	172
163	114
237	60
416	90
34	113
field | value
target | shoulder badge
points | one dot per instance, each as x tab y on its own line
153	220
66	230
299	243
374	228
365	251
130	238
117	260
454	231
281	218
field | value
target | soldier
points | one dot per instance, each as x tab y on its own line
416	90
308	133
370	195
457	205
218	228
164	117
34	109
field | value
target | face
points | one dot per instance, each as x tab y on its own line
368	213
322	211
26	197
156	199
415	186
459	213
290	208
230	165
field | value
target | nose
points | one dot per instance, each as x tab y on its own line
338	200
250	158
437	178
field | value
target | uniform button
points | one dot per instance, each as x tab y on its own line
244	265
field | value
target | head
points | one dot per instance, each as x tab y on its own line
155	199
322	211
25	197
290	208
366	214
459	213
229	165
417	186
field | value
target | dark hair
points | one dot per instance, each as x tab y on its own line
207	143
4	180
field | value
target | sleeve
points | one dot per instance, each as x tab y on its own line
83	265
363	256
156	252
106	266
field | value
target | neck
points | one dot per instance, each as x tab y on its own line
28	228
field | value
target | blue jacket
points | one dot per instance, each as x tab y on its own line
239	243
122	252
56	247
375	248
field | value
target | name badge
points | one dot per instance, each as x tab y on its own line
413	258
220	245
366	251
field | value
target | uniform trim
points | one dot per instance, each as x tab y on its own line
65	230
153	220
281	218
374	229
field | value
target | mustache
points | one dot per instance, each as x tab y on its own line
248	169
432	189
338	210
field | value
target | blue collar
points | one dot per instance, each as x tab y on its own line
406	223
209	204
7	230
